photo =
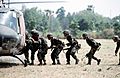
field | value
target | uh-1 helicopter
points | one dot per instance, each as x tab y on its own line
12	30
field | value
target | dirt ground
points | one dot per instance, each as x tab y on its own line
12	68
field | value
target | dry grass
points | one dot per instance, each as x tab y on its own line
107	69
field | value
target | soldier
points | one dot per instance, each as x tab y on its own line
34	45
42	51
117	40
25	50
72	50
57	47
94	47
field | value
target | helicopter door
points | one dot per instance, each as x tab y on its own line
22	29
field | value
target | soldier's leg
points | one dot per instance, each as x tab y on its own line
75	57
27	56
95	58
32	57
53	57
44	59
73	51
43	56
68	57
89	55
119	59
39	56
58	50
25	50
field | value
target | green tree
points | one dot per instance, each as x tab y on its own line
35	18
61	17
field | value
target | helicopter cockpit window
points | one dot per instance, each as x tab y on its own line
9	19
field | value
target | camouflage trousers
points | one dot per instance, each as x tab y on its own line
90	55
55	55
41	56
71	52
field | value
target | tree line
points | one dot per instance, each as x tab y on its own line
48	21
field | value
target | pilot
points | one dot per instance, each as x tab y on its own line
34	45
117	40
42	51
94	47
56	47
72	43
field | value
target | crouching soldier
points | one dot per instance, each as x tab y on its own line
42	51
94	47
117	40
26	48
57	47
35	44
72	47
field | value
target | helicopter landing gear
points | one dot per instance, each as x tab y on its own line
25	61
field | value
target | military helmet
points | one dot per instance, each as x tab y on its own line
115	37
49	35
35	32
66	32
84	34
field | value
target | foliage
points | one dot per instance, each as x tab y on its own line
116	25
77	22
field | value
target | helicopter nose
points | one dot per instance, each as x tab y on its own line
7	34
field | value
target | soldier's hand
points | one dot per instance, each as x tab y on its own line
68	44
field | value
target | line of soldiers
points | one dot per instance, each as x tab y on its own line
37	43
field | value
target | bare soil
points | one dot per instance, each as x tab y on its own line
12	68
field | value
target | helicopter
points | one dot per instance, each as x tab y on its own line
12	30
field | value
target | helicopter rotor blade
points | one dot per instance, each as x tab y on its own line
34	2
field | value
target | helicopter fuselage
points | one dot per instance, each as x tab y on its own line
12	32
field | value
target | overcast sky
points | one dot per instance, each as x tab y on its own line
107	8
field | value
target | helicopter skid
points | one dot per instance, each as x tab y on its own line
12	52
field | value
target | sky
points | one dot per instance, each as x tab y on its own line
107	8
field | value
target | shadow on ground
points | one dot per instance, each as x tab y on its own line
7	65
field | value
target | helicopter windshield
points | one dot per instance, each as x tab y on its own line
9	19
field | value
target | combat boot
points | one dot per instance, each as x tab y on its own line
28	61
58	62
98	62
53	63
32	63
40	62
44	62
77	61
68	63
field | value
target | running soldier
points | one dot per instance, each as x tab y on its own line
117	40
72	50
94	47
42	51
57	47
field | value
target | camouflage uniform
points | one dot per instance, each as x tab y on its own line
94	47
116	39
56	46
42	51
25	50
35	44
72	49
